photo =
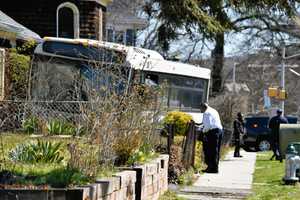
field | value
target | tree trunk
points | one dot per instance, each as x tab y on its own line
218	61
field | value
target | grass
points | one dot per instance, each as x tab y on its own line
169	195
268	184
9	141
187	178
56	175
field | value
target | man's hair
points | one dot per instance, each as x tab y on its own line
279	112
204	105
239	114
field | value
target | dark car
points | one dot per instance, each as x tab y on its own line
257	134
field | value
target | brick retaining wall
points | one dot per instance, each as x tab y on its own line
142	182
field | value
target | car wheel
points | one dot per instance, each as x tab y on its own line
263	145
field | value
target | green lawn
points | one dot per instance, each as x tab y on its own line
268	184
169	195
43	173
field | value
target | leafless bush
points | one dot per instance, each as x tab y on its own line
119	125
84	158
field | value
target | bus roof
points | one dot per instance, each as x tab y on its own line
108	45
142	59
170	67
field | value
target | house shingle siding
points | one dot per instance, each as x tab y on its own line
40	15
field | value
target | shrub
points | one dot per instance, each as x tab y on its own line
63	177
126	145
30	125
187	178
84	158
142	155
37	152
19	68
68	129
80	130
27	48
58	127
180	121
54	127
176	167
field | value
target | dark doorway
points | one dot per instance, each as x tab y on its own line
66	23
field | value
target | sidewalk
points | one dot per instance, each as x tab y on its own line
234	180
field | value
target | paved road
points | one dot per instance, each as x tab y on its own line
234	180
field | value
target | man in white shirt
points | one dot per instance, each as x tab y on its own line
213	133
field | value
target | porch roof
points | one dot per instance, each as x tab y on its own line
10	29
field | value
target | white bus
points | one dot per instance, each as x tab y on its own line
58	63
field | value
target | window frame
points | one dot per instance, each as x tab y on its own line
2	77
76	18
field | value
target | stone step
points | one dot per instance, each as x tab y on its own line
214	193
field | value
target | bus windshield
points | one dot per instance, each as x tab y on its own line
70	72
184	93
83	52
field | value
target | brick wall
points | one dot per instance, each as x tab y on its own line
120	187
145	182
152	178
40	15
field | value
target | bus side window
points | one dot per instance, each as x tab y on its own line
151	80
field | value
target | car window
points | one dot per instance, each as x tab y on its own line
292	120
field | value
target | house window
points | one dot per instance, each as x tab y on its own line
67	20
2	72
110	35
119	37
130	37
127	37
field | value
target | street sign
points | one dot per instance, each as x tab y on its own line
277	93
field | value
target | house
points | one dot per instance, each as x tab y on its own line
123	21
60	18
114	21
12	32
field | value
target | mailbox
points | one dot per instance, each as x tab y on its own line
288	133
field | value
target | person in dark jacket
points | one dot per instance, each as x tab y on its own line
274	125
238	130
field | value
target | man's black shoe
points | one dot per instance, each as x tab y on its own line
206	170
212	171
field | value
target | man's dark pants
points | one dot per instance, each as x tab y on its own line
237	147
212	148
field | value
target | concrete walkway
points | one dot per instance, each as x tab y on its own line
234	180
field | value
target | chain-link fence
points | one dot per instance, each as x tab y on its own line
14	113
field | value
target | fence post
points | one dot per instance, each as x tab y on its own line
170	128
188	156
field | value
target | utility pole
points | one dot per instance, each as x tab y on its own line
283	78
233	77
283	66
